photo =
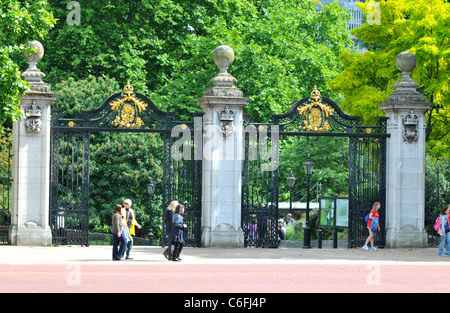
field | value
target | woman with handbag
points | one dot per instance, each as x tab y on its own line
443	231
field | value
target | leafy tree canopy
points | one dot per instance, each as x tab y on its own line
283	48
421	27
21	22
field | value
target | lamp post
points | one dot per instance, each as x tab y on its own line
291	182
151	190
308	165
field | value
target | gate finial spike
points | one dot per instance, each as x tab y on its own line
315	94
128	89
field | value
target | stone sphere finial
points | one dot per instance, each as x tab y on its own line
32	74
405	62
223	56
405	88
36	55
223	83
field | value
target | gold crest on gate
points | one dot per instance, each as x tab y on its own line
128	108
315	114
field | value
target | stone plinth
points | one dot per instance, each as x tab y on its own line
405	194
31	161
222	157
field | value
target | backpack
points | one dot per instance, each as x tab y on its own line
437	224
367	217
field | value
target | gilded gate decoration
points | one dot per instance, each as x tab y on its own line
128	108
126	111
315	116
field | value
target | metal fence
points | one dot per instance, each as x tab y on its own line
5	188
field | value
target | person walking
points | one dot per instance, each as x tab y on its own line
443	231
177	234
168	216
373	226
119	242
130	221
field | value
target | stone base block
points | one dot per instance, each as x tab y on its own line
30	235
222	237
406	237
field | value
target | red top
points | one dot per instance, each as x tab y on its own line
374	214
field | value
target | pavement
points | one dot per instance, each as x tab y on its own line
222	273
99	255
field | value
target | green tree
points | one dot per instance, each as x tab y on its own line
121	164
283	48
330	157
279	56
5	172
421	27
85	94
21	22
127	39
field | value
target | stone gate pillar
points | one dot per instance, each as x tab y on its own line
223	146
31	160
405	194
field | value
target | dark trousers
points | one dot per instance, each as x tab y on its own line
118	246
175	249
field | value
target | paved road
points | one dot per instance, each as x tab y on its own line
81	269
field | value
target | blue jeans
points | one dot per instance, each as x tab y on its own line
119	246
129	243
444	240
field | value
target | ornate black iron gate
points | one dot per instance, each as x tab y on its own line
70	154
69	188
312	116
183	177
260	186
5	189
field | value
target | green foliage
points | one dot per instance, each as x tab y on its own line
11	87
330	157
283	48
5	168
279	57
421	27
121	166
431	178
294	232
21	21
87	94
136	40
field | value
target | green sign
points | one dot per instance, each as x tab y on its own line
333	212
